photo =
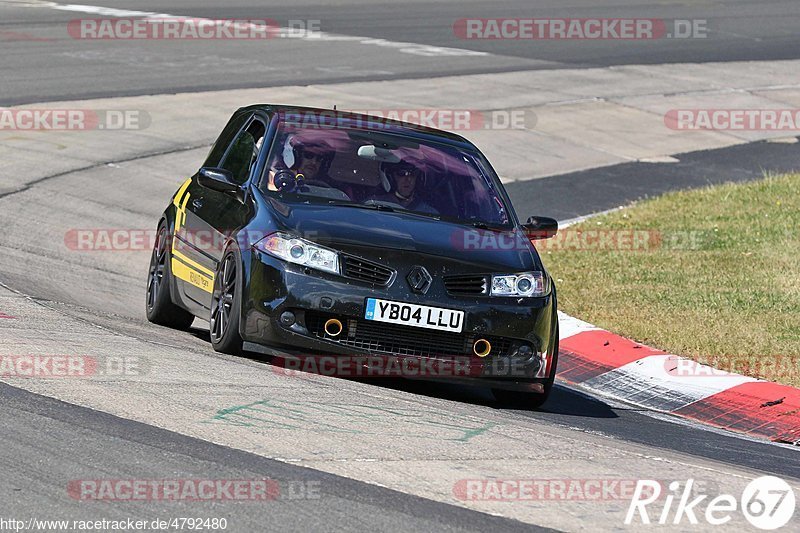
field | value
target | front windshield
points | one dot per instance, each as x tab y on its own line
382	170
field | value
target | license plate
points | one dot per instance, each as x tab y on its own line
420	316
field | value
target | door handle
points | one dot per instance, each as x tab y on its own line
197	203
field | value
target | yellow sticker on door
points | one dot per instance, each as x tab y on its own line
186	273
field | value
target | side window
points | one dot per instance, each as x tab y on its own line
243	151
224	140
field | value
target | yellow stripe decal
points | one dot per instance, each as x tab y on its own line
191	262
186	273
180	205
180	213
183	207
177	200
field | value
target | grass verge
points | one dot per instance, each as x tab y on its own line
711	274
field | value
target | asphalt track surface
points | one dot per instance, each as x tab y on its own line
42	62
50	427
37	430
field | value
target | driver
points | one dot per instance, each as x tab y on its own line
313	160
310	159
404	180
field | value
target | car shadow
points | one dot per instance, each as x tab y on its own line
564	400
204	335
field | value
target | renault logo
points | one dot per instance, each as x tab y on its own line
419	279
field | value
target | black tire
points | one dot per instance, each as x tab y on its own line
159	306
226	304
529	400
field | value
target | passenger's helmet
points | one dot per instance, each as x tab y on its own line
387	170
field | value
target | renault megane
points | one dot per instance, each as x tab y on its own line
309	231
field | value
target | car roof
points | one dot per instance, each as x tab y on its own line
406	128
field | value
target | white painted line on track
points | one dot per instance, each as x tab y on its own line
572	221
318	36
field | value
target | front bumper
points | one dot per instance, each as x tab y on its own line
274	288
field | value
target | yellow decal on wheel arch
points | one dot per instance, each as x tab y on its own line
180	202
176	201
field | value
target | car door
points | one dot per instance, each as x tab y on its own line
210	217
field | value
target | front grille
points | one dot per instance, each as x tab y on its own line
465	285
363	270
382	338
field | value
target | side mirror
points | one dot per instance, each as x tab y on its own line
538	228
217	179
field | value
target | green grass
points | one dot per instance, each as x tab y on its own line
723	287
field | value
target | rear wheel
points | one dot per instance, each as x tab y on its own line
160	307
225	307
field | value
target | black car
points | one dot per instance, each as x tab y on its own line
319	233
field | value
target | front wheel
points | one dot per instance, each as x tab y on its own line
226	306
530	400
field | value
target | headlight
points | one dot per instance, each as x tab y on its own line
300	251
529	284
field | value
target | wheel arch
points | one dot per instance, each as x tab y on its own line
243	254
168	217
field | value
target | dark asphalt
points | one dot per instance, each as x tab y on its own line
41	62
590	191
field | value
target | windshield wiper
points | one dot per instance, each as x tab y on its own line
376	207
382	207
388	209
489	226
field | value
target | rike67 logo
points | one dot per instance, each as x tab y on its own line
767	502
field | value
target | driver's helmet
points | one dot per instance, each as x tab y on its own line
297	146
